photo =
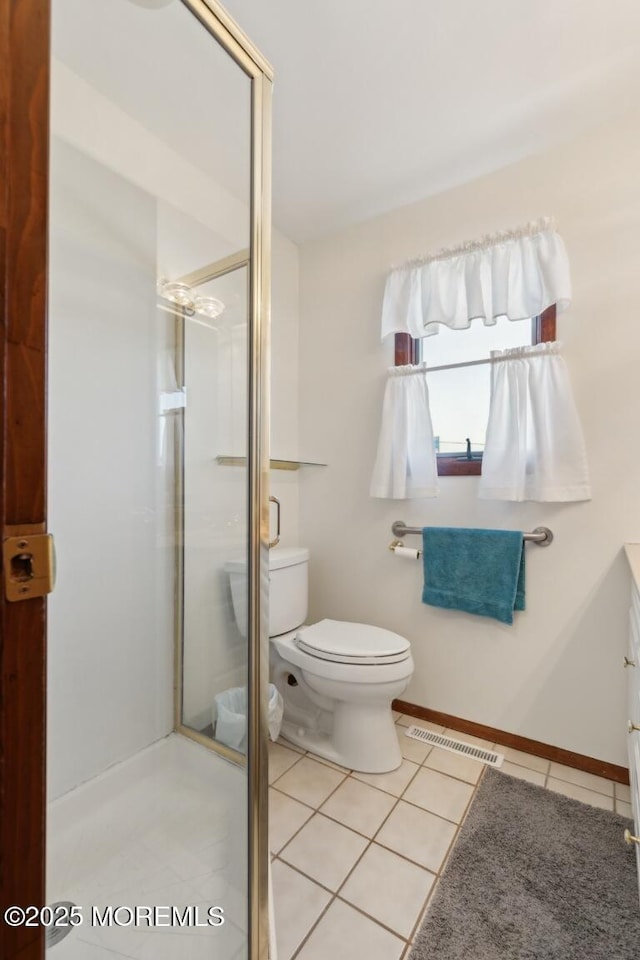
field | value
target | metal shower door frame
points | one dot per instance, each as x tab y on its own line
25	60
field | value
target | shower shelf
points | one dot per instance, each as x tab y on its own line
274	464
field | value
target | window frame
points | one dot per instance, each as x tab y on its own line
407	351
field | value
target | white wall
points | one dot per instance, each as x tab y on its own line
110	628
556	674
285	429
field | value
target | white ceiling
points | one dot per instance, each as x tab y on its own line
380	103
377	103
154	61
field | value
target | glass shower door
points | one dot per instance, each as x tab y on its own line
215	621
155	844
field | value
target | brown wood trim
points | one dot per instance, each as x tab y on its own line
24	124
455	467
544	327
406	349
590	765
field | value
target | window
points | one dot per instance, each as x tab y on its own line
459	382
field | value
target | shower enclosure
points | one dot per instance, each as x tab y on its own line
158	292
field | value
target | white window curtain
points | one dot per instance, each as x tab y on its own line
516	275
405	464
534	448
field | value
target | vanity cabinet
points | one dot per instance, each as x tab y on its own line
632	669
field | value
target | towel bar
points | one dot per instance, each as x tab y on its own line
541	535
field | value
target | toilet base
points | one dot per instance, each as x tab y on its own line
364	738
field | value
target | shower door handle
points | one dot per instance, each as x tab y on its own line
276	541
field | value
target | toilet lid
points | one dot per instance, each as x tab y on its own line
345	642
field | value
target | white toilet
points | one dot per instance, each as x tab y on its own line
337	679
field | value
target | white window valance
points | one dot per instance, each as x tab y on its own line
516	275
405	464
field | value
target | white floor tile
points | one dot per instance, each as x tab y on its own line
235	904
623	791
412	749
222	943
297	905
440	794
281	758
582	779
215	888
180	894
624	809
171	830
343	934
324	850
310	782
286	816
130	878
580	793
388	888
186	863
464	768
79	949
126	941
329	763
524	759
359	806
215	856
395	782
523	773
405	721
290	746
418	835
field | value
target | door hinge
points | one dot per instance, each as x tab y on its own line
28	564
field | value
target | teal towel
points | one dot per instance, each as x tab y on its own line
478	571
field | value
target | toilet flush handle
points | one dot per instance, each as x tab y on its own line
276	540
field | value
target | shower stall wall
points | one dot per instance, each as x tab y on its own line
159	169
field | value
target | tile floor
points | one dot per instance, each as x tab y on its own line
356	857
167	827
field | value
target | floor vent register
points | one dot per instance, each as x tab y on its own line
490	757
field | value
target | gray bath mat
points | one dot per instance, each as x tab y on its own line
534	876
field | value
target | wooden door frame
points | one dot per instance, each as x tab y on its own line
24	135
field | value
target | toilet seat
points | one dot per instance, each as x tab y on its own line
357	643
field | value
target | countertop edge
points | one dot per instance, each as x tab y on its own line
632	551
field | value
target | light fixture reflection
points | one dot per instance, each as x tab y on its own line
177	292
208	307
183	296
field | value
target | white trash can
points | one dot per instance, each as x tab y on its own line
230	716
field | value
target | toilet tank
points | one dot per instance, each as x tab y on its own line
288	589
